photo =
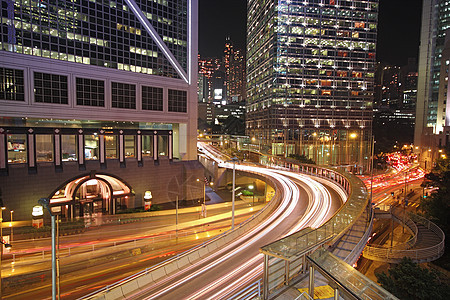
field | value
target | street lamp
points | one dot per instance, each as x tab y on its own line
7	246
371	169
252	187
234	160
10	225
352	136
204	199
45	202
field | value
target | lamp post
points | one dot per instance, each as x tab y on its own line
10	225
405	202
203	213
234	160
371	169
45	202
252	187
1	250
352	136
7	246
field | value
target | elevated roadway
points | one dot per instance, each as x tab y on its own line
231	261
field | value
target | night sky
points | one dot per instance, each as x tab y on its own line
398	28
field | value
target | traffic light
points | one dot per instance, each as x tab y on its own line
392	194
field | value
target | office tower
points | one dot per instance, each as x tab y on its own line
432	128
310	73
433	106
236	82
96	87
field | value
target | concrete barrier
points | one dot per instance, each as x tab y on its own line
114	294
171	267
144	280
129	287
183	262
158	273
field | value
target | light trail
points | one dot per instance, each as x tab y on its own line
315	215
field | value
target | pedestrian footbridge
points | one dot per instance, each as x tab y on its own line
426	242
324	255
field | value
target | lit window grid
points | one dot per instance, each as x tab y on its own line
87	32
90	92
12	85
50	88
177	101
152	98
296	82
123	95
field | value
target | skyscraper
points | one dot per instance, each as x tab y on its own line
310	74
96	85
433	105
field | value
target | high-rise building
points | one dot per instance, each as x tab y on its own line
310	77
236	82
433	105
98	103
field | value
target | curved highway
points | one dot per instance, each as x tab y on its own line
304	203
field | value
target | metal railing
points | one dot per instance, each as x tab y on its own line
292	250
396	253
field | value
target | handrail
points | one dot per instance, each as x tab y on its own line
301	241
419	254
397	214
362	242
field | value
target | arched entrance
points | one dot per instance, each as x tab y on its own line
91	194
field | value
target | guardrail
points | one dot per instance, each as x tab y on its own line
353	256
399	216
286	257
126	286
395	254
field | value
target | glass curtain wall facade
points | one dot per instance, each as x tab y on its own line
310	81
434	60
100	33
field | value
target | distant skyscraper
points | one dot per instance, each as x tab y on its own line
236	78
310	74
234	66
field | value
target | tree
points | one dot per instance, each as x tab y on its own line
436	208
408	280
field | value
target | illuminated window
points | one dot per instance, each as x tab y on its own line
147	145
130	148
17	148
69	148
111	146
91	147
44	147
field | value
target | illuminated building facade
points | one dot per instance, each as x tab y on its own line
433	105
89	87
432	130
310	77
